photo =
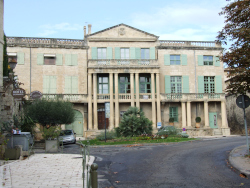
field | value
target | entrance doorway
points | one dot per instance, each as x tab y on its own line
77	125
213	120
101	119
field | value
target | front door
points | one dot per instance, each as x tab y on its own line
101	120
213	120
77	125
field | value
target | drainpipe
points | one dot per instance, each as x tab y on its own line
195	83
30	69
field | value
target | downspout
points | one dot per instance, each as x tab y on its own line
195	84
30	70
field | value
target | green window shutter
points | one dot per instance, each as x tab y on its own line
52	88
167	84
74	84
137	53
183	59
132	53
59	59
45	84
200	84
218	84
20	58
185	84
200	60
109	53
166	59
216	61
94	52
117	53
40	59
67	59
74	59
67	86
152	53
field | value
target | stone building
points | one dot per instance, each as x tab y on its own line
123	66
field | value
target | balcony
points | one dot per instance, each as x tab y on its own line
124	63
207	44
74	98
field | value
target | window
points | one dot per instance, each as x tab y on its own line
175	59
101	53
173	113
49	59
124	55
124	84
71	85
144	53
176	84
209	84
49	84
145	84
208	60
12	57
103	85
71	59
16	57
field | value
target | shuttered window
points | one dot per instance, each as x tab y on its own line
49	84
71	85
71	59
209	84
175	59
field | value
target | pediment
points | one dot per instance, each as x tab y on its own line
122	32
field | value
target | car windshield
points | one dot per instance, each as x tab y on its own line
66	132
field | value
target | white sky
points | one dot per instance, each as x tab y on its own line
170	19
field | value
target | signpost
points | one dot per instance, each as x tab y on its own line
243	101
107	115
36	95
158	125
18	93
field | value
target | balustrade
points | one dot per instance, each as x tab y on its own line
123	62
189	43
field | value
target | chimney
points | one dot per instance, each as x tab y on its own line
89	29
84	28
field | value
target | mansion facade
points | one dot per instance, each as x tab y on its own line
124	66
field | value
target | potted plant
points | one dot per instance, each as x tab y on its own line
171	121
51	134
198	122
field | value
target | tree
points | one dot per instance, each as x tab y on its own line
134	123
5	58
237	30
51	112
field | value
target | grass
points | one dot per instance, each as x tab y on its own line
137	140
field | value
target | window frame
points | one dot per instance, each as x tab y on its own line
145	83
175	82
174	60
209	84
173	113
206	60
127	84
102	84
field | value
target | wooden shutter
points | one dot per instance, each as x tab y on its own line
52	86
109	53
94	52
20	58
166	59
183	59
185	83
200	60
74	58
59	59
216	61
152	53
132	53
40	59
200	84
67	85
67	59
167	84
74	84
218	84
45	84
117	53
137	53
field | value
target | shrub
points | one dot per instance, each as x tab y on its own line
134	123
183	135
197	119
168	130
171	119
109	135
51	133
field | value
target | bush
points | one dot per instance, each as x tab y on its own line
168	130
134	123
109	135
183	135
51	133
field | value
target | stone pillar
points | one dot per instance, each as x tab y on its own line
95	101
90	124
158	97
137	84
189	114
206	114
183	109
153	99
223	115
132	89
111	119
117	115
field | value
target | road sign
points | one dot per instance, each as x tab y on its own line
36	95
243	101
107	109
18	93
158	125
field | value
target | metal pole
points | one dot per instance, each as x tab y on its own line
105	127
94	174
245	122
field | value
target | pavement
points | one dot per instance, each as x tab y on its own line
65	170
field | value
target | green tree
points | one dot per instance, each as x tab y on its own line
5	58
51	112
134	123
237	30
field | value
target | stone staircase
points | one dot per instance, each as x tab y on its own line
217	132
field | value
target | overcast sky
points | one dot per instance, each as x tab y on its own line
170	19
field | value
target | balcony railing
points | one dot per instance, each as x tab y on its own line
77	98
122	63
189	43
192	96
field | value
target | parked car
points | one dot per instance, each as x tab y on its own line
67	137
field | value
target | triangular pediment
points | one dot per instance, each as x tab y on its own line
122	32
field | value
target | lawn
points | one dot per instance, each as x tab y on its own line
137	140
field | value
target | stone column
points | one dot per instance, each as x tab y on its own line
90	124
132	89
111	119
153	99
223	115
137	84
95	101
206	114
117	115
158	97
189	114
183	109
